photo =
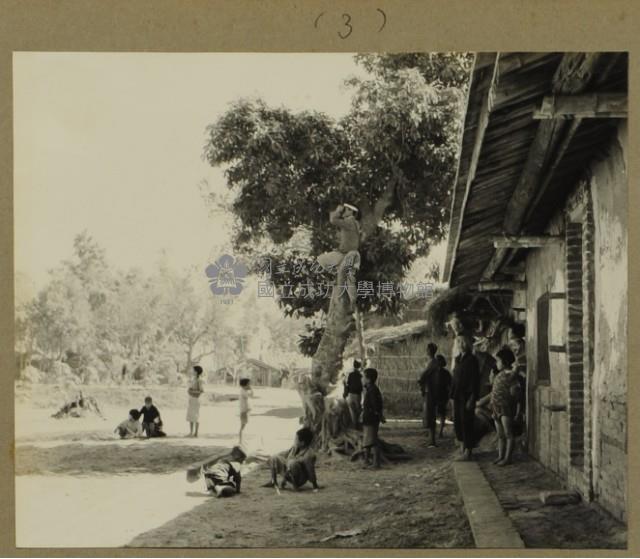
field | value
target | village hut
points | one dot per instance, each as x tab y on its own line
539	213
399	353
260	373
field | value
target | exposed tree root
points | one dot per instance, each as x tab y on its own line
78	407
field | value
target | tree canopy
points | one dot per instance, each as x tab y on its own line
393	155
161	322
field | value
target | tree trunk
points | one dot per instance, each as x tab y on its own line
328	416
327	361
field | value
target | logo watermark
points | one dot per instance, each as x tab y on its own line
227	277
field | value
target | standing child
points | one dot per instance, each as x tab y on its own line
505	403
193	410
442	388
427	386
245	394
130	428
353	392
465	388
372	416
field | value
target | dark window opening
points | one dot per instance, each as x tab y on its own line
543	372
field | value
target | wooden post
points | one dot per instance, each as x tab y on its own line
491	72
594	105
572	76
501	285
515	241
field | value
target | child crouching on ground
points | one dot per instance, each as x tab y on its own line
505	404
221	473
130	428
222	476
297	466
151	420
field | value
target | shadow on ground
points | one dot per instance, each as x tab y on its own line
576	526
412	504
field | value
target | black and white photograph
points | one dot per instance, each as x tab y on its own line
272	300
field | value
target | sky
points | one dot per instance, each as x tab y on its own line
111	143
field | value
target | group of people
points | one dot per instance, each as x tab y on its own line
150	426
296	467
365	404
479	383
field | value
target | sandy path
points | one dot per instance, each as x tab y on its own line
89	509
66	511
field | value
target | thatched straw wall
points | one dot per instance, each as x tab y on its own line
399	353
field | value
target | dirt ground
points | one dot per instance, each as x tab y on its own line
152	457
412	504
576	526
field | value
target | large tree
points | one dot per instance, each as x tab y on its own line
393	155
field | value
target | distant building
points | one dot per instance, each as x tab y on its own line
260	373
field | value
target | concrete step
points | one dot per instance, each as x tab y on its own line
490	525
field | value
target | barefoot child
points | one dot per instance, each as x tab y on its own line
221	473
297	466
245	394
130	428
505	404
372	416
443	388
193	410
151	421
428	386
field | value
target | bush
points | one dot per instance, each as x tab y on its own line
32	375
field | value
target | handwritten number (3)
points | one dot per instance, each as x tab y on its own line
347	23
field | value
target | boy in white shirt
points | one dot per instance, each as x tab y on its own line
130	428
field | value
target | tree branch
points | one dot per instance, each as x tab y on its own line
372	215
198	357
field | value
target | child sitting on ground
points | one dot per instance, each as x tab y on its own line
505	404
151	421
297	466
130	428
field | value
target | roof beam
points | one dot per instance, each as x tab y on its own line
502	285
525	241
595	105
490	69
572	76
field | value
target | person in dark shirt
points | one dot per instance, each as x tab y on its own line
222	477
442	388
221	473
372	416
353	392
297	465
465	390
151	421
428	402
